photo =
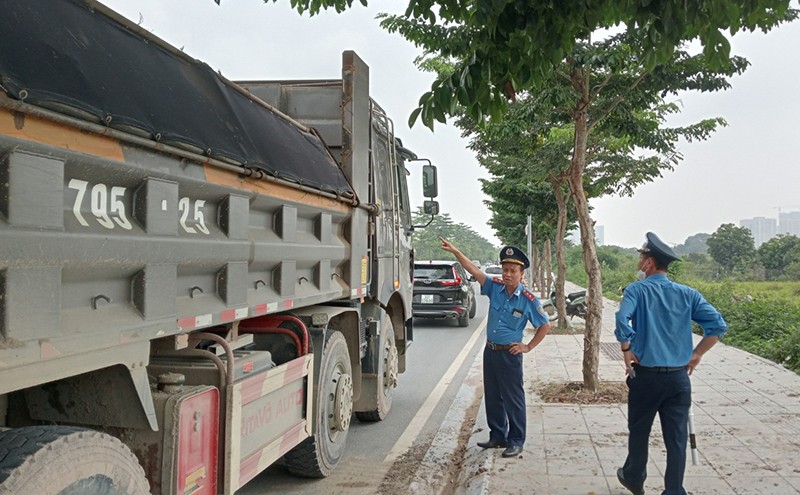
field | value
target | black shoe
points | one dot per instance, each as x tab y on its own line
512	451
636	490
493	444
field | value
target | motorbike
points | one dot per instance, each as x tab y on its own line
575	304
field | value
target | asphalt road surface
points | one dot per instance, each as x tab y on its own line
380	456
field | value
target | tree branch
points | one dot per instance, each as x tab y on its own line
601	86
619	99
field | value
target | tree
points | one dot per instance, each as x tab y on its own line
694	244
778	253
596	126
428	247
500	47
732	247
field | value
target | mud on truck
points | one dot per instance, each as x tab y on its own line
198	278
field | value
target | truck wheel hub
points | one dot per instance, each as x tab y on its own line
391	368
343	403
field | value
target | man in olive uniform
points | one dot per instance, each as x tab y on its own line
654	328
511	307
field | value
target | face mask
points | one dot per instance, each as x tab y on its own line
641	275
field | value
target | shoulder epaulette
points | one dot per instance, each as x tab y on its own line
498	280
530	295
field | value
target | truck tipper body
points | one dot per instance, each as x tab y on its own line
197	277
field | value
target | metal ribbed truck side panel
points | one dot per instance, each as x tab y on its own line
135	244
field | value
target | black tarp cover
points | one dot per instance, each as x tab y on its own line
62	54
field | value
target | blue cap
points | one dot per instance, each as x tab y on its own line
658	249
511	254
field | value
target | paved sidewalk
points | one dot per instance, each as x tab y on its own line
746	412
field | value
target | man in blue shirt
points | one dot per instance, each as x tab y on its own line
654	327
511	307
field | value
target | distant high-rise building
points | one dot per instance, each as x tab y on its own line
789	223
762	229
574	236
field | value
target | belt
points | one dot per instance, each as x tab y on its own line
659	369
498	347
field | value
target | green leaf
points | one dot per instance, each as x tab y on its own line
412	119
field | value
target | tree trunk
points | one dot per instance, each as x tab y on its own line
594	296
561	260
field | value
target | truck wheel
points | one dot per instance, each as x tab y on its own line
473	309
64	460
316	456
384	383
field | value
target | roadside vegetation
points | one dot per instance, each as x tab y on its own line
758	294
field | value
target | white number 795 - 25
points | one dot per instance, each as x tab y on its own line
106	206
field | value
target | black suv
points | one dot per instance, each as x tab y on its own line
442	289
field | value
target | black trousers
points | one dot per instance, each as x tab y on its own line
504	395
670	395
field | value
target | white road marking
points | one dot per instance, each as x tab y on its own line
415	426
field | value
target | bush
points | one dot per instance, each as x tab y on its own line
763	324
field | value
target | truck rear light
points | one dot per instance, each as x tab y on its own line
195	436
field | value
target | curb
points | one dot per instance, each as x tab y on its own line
442	465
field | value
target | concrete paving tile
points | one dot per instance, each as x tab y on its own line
565	425
794	481
784	459
742	461
523	466
771	440
569	447
761	486
578	485
619	438
716	437
753	428
573	467
611	458
707	485
728	415
514	487
783	423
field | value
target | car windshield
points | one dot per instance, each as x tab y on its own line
494	270
433	272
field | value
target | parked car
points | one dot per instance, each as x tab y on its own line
493	270
442	289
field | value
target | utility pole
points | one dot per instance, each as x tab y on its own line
529	231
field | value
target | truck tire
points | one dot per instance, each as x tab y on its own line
386	382
65	460
317	456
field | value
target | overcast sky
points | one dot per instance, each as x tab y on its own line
745	170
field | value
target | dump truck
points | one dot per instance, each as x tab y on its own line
198	278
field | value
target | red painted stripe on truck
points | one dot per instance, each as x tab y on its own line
187	323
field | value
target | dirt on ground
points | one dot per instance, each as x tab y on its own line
570	329
576	393
403	470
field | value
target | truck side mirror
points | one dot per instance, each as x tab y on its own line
430	207
430	188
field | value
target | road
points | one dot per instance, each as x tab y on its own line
382	457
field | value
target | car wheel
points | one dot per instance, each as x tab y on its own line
463	321
473	308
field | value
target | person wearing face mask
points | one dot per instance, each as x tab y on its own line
511	307
654	328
